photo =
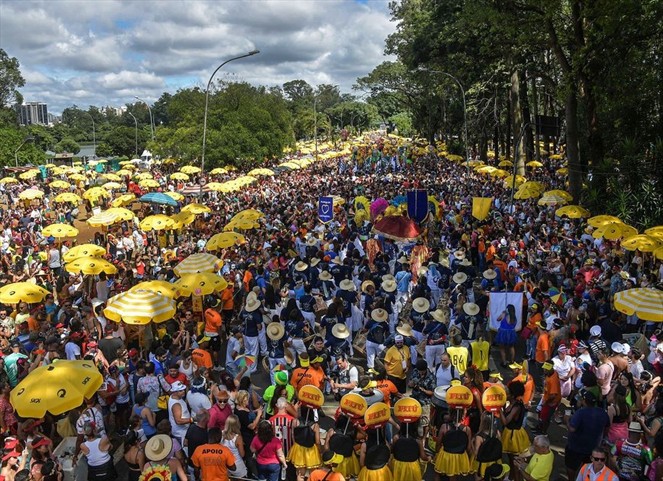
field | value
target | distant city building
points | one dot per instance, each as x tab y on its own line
33	113
115	110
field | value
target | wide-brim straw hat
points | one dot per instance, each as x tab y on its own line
311	241
366	284
459	278
252	304
471	309
301	266
158	447
459	254
421	305
379	315
315	261
490	274
340	331
275	331
389	285
405	330
439	315
465	262
325	276
388	277
347	285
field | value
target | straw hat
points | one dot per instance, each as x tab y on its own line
389	285
459	254
422	271
301	266
158	447
340	331
252	304
347	285
311	241
459	278
405	330
315	261
337	260
421	305
325	276
471	309
489	274
366	284
439	315
465	262
388	277
275	331
402	260
379	315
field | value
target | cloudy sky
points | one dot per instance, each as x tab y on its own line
103	52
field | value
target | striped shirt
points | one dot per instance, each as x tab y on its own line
283	430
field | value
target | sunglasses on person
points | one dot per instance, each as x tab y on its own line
222	401
598	460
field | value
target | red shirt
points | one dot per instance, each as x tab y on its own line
180	377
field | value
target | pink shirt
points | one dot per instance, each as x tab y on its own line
267	455
218	416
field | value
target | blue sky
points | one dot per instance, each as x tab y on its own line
103	52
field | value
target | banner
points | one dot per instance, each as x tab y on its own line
417	205
499	302
326	209
481	207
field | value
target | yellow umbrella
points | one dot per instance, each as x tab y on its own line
505	163
560	193
230	168
127	162
241	224
112	185
499	173
179	176
614	231
534	164
181	219
50	166
471	163
190	169
31	194
338	200
113	177
140	307
655	231
196	209
645	303
157	222
196	263
103	219
248	214
642	242
144	176
149	183
83	250
658	253
600	220
552	200
8	180
123	173
77	177
202	284
572	212
175	195
215	186
94	193
124	199
68	197
508	181
30	174
486	169
22	292
59	231
218	171
56	388
522	194
160	287
90	266
261	171
563	171
122	213
224	240
60	184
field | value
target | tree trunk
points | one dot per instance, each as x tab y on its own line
528	138
517	117
572	150
535	107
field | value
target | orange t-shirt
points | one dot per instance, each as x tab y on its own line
213	321
202	358
552	392
543	348
33	324
388	389
528	382
246	280
213	461
534	320
321	474
304	376
227	299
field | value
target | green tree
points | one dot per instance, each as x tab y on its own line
68	145
10	81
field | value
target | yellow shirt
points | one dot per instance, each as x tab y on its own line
394	360
540	466
458	356
480	350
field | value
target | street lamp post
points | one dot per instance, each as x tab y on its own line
315	125
209	82
136	123
94	135
462	91
29	138
149	109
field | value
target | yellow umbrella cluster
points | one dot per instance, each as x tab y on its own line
261	172
95	193
642	243
224	240
8	180
190	169
157	222
529	190
83	250
60	184
196	209
22	292
179	176
614	231
124	199
90	266
202	284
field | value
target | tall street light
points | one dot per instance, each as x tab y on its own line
135	122
462	91
315	125
94	134
29	138
209	82
149	109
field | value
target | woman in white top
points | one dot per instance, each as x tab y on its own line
97	451
178	411
232	439
186	366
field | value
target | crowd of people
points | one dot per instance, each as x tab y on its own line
218	391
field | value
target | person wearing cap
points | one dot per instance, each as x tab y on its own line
586	428
551	396
397	362
564	365
158	453
423	383
497	472
376	333
618	359
96	449
631	455
604	371
419	316
12	360
307	374
524	377
330	461
347	294
178	411
11	464
201	356
275	347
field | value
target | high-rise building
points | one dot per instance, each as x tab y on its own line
33	113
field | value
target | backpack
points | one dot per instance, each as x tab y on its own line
489	451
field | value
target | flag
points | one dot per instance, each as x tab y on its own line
417	205
481	207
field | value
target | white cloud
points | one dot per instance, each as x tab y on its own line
104	52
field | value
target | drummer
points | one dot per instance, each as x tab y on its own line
276	347
387	293
418	317
435	332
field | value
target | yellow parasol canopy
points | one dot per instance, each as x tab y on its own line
77	177
534	164
190	169
29	174
83	250
121	212
179	176
149	184
642	242
600	220
90	266
60	184
218	171
8	180
175	195
560	193
124	199
202	284
68	197
160	287
261	172
103	219
140	307
645	303
241	224
55	388
224	240
22	292
196	263
196	209
95	193
614	231
112	177
182	218
655	231
157	222
572	212
247	214
508	181
31	194
124	172
59	231
505	163
658	253
144	176
563	171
